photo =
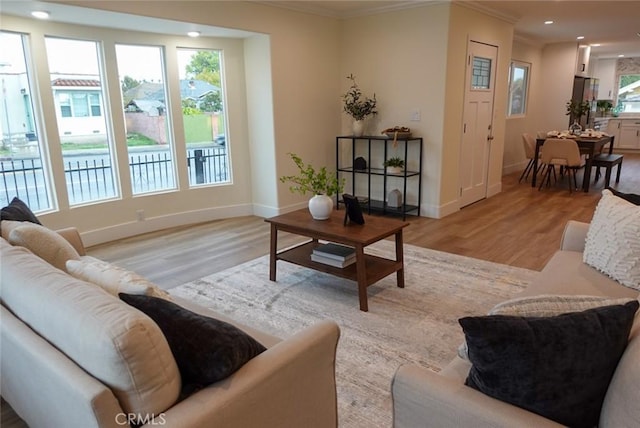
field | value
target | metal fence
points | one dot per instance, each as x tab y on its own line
92	179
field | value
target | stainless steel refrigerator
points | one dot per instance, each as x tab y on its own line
585	89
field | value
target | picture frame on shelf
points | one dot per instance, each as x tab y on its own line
353	212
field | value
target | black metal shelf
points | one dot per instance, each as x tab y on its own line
375	206
374	203
380	171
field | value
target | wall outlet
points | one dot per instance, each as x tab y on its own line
140	215
415	115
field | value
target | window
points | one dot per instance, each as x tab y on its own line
23	171
481	74
76	79
518	88
144	96
629	93
203	115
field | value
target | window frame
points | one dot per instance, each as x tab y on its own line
620	103
522	65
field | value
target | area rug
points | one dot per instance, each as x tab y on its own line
417	324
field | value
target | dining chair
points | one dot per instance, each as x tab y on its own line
529	144
606	159
563	152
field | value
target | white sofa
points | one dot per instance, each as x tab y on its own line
422	398
74	355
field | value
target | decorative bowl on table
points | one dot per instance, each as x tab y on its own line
397	132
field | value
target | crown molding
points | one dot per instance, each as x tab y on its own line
480	7
316	8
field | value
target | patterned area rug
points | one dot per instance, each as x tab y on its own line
417	324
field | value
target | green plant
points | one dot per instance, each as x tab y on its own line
357	105
577	109
394	162
320	182
604	106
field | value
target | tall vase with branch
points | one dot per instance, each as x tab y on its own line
575	111
358	106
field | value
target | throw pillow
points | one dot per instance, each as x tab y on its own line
631	197
613	240
44	243
6	226
113	279
546	305
558	367
18	211
206	349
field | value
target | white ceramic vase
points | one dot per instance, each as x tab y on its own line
320	207
358	128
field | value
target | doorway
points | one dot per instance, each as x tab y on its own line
477	131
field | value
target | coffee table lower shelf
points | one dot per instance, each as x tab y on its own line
376	267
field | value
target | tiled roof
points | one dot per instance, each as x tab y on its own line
76	82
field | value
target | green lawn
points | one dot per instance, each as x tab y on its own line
133	140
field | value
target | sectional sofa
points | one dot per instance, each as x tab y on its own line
75	355
423	398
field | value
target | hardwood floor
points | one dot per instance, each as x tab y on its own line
521	226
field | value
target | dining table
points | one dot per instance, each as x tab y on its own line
589	146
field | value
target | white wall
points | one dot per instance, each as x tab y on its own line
467	24
558	70
514	156
401	56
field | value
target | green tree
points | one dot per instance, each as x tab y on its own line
211	102
205	66
189	107
627	79
129	83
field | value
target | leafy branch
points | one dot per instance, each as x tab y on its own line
320	182
356	104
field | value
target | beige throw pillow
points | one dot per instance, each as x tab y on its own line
547	305
44	243
113	279
613	240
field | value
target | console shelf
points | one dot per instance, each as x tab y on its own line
372	184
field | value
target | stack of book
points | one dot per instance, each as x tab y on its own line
334	255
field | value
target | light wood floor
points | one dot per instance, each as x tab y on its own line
521	227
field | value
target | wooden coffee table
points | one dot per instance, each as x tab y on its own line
367	269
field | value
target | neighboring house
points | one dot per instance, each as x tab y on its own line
79	104
79	107
149	96
16	123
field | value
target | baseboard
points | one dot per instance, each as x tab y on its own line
515	167
153	224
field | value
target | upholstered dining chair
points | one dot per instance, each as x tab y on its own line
563	152
529	144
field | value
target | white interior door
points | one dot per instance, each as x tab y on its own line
478	122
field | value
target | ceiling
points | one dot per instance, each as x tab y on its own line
614	25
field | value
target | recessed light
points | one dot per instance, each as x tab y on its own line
40	14
620	56
580	37
193	33
548	22
595	45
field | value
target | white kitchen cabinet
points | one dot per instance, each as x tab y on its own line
613	129
629	134
582	61
605	72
